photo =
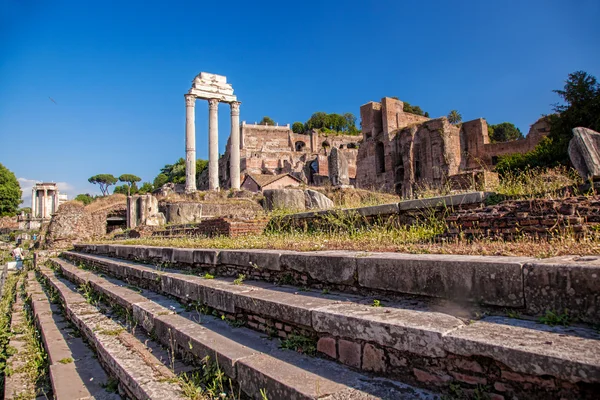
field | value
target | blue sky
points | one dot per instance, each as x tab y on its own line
117	70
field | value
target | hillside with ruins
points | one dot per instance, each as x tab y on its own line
414	213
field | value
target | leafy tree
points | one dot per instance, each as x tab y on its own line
126	189
316	121
104	181
454	117
413	109
504	132
332	123
146	187
581	108
298	127
26	210
175	173
85	198
10	192
267	121
160	180
129	179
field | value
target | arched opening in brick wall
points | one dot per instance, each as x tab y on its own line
300	145
380	157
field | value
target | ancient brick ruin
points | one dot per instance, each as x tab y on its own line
401	150
274	150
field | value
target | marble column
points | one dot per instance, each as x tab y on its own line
234	160
213	144
190	143
33	201
44	203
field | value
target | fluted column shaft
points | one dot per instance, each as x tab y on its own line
33	203
44	203
213	144
234	160
190	143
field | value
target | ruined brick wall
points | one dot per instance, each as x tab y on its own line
274	150
527	217
401	151
215	227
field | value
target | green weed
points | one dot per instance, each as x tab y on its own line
554	318
299	343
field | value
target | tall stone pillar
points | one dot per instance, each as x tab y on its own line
33	203
234	161
190	143
213	144
44	199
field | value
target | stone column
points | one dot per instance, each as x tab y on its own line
44	203
190	143
234	160
33	201
213	144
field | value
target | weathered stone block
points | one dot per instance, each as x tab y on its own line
263	259
324	266
205	256
183	256
566	283
491	280
404	330
349	353
287	199
316	200
326	345
281	305
529	347
443	201
584	152
373	359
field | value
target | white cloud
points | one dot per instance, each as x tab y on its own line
27	185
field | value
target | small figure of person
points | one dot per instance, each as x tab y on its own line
17	253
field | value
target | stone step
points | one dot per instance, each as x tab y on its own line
139	373
75	372
406	341
252	360
530	285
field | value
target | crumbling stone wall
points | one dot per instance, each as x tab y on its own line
72	222
401	150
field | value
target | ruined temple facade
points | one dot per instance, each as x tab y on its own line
401	150
275	150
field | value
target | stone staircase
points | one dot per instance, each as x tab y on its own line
425	324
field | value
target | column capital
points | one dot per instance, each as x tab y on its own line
190	100
213	104
235	107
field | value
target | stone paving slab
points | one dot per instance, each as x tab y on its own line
263	365
138	371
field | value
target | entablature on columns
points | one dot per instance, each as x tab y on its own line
211	86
